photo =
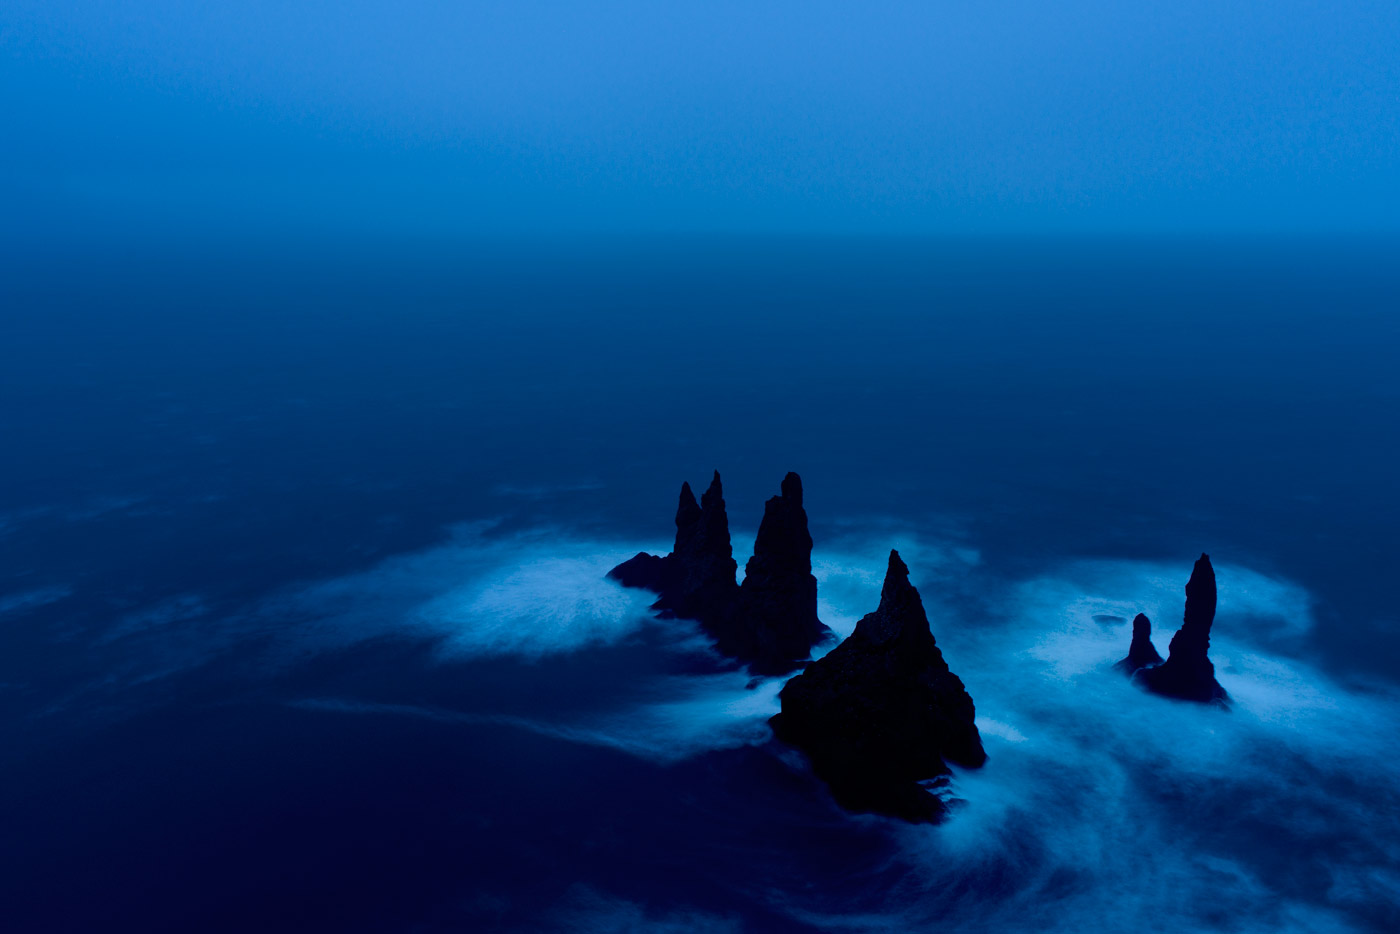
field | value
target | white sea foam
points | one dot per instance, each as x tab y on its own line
1105	808
529	594
687	715
32	599
1101	807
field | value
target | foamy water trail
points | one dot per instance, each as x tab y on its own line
1101	807
529	594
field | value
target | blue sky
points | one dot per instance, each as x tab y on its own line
886	117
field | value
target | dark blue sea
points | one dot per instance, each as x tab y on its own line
304	624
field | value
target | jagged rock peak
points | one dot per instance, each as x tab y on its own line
901	610
1200	603
1192	640
714	521
697	579
687	509
896	578
687	518
777	613
771	621
703	582
1142	653
882	712
791	488
783	538
716	487
1188	674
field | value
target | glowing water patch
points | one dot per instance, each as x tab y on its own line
1101	807
1105	808
32	599
690	715
540	606
530	594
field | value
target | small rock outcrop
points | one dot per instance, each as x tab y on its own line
1188	674
771	622
1142	653
881	714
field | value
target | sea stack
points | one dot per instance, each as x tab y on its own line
1187	673
777	620
696	580
1142	653
771	623
703	556
882	713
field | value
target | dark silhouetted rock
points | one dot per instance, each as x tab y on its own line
688	516
1141	654
882	713
1187	673
648	572
696	580
653	572
704	585
771	623
776	621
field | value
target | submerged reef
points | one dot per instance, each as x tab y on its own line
881	715
1188	674
771	621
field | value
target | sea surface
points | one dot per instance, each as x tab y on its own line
303	622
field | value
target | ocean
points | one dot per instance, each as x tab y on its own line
304	624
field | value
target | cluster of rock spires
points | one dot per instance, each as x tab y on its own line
1187	674
771	621
879	716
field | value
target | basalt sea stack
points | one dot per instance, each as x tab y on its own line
1187	673
777	613
1142	653
882	713
771	622
696	580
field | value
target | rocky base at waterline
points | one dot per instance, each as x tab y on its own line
771	621
1188	674
881	715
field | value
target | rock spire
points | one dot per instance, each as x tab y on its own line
771	622
1188	673
882	713
1142	653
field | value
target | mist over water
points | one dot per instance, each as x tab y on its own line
304	618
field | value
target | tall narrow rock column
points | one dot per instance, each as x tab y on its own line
705	586
778	599
1188	673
